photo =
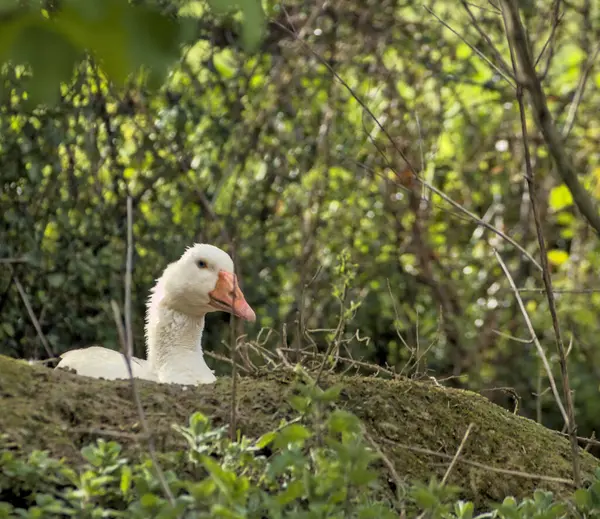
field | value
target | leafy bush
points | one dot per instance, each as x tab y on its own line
317	465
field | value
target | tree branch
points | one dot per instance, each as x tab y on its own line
527	77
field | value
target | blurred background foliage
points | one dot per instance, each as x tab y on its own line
260	139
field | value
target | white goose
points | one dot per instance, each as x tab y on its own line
201	281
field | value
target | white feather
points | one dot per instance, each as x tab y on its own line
175	314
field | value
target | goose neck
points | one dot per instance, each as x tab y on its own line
173	334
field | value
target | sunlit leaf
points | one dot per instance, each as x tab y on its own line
560	197
557	257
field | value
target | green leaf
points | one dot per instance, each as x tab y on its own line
463	51
224	479
90	454
425	498
56	279
203	489
125	479
463	509
342	421
293	491
560	197
223	64
254	24
557	257
331	394
582	498
149	500
294	433
300	403
266	439
8	329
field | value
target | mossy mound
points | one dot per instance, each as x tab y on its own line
59	411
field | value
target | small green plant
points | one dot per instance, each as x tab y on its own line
318	465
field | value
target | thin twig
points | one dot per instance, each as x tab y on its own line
502	63
120	328
585	74
346	360
489	468
386	461
458	451
495	10
34	319
587	447
511	391
538	346
512	337
583	439
549	43
563	291
9	261
128	349
108	433
234	366
547	278
473	48
222	358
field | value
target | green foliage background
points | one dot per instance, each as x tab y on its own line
263	146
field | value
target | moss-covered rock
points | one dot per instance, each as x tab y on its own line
59	411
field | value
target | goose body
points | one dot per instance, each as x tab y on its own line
201	281
98	362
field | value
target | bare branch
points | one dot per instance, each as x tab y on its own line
585	74
549	43
498	69
527	78
489	468
501	61
458	451
563	291
8	261
234	366
538	346
547	278
128	349
34	319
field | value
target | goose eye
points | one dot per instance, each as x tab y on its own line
202	264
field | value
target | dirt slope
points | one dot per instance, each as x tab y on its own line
59	411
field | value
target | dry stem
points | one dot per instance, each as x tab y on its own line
489	468
34	319
511	18
128	350
458	451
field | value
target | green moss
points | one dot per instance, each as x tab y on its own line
61	412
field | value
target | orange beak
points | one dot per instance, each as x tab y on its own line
228	297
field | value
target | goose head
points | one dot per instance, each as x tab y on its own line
203	281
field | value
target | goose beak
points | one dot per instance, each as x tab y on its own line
228	297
